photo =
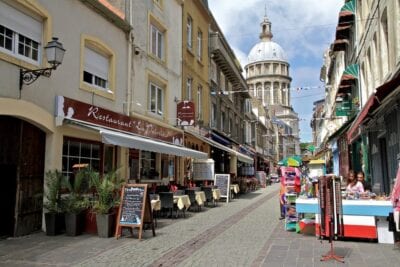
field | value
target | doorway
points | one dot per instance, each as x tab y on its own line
385	177
22	150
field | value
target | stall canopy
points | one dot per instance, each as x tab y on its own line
133	141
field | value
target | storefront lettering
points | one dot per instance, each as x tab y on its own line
93	111
76	110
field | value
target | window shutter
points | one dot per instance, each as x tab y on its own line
96	64
20	22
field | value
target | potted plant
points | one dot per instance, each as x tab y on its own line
75	202
54	217
106	198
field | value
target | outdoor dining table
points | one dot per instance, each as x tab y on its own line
155	204
200	197
216	194
235	188
182	201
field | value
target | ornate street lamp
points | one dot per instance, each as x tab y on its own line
54	53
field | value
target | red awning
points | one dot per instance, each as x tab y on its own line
340	45
385	89
343	32
354	130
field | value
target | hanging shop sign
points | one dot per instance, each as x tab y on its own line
67	108
185	113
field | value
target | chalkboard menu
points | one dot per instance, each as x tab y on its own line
132	205
223	181
203	169
134	209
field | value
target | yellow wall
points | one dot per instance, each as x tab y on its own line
192	67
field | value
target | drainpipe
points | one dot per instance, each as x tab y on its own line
130	61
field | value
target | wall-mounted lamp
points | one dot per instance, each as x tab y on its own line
54	53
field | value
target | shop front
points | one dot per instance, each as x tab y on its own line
227	160
143	151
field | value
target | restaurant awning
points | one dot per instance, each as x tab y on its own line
239	155
133	141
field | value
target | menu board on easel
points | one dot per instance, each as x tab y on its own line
223	181
134	209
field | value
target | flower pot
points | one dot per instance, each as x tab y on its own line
55	223
105	224
73	224
90	222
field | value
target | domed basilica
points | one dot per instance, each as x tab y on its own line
268	79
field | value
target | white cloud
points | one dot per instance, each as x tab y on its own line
304	29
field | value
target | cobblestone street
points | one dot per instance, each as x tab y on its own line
245	232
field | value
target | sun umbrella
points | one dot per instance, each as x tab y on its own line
293	161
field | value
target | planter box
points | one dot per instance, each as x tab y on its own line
105	224
90	223
55	223
73	224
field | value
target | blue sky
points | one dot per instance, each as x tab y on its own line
303	28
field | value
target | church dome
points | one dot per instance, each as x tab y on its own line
266	50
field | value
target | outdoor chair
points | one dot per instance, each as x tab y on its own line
179	192
167	202
192	197
209	194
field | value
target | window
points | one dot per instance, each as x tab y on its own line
96	69
189	88
222	81
156	99
213	115
384	44
20	34
189	26
148	165
199	102
80	152
222	120
157	42
199	45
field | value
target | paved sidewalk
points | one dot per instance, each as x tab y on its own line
245	232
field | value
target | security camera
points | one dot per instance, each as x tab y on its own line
137	51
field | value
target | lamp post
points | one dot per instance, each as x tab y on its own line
54	53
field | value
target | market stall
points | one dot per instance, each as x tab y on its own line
361	218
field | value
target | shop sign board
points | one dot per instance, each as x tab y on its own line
223	181
74	110
185	113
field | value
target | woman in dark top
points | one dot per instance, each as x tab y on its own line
361	178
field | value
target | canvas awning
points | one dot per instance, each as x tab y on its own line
239	155
122	139
354	130
347	12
